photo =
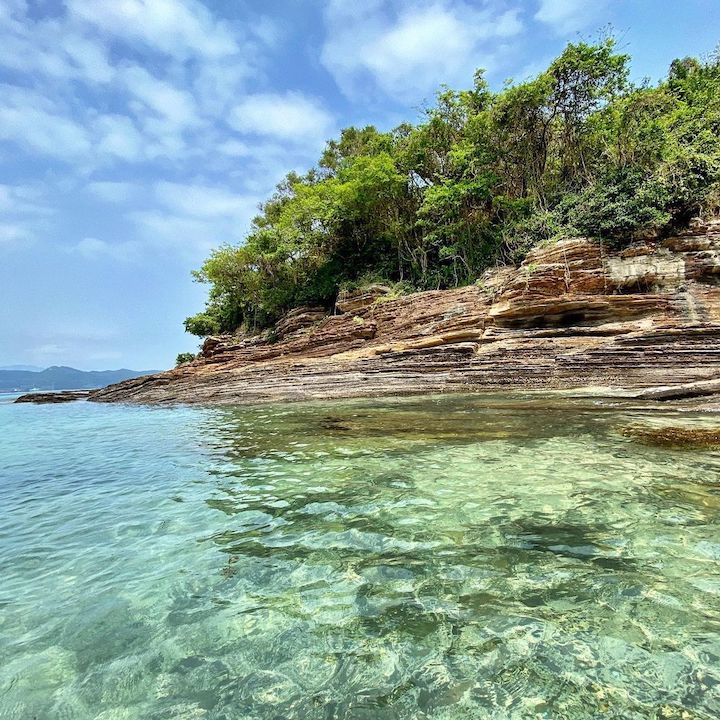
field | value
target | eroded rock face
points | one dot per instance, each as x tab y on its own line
573	314
354	302
299	319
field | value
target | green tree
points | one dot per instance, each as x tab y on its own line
479	179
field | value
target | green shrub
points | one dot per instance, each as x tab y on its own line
184	358
202	324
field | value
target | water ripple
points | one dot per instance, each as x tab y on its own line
464	557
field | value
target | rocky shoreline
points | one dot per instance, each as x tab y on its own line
645	320
53	397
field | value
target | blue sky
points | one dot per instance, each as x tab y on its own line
136	135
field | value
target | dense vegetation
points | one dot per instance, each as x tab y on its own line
479	180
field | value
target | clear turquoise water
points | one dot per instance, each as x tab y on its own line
474	557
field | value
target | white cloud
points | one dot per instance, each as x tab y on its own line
289	116
162	114
53	48
204	201
10	8
49	349
568	16
175	27
22	200
131	80
176	106
234	148
13	232
189	219
408	50
24	213
191	237
118	137
93	249
29	119
88	58
218	84
113	191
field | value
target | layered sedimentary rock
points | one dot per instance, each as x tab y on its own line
574	314
62	396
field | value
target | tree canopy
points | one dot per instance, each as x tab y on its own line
479	180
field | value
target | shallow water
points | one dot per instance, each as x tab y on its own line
453	557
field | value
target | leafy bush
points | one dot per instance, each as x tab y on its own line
184	358
202	324
615	207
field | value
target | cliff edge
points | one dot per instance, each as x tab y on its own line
572	315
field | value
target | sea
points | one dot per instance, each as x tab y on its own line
446	557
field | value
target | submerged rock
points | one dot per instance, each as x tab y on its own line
572	315
676	437
702	388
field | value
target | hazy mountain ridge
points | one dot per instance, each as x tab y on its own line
64	378
26	368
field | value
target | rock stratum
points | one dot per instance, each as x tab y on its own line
572	315
45	398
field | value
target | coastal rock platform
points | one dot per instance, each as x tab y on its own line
61	396
574	314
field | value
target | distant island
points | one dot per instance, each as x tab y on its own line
63	378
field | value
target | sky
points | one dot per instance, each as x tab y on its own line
137	135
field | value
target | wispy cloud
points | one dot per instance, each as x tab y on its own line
568	16
29	119
128	81
180	28
24	213
134	104
92	248
407	50
114	191
13	232
289	116
204	200
184	236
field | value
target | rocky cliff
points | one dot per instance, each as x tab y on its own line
574	314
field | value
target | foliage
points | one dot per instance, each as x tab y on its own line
205	323
183	358
480	179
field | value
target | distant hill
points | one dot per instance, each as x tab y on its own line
63	378
28	368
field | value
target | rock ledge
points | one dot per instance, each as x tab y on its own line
572	315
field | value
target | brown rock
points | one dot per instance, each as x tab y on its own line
675	437
357	300
573	314
54	397
299	319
